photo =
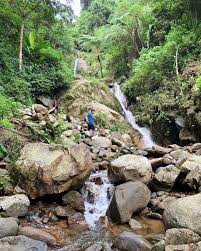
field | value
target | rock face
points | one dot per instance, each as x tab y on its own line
129	241
127	199
184	213
130	167
21	243
8	227
16	205
49	169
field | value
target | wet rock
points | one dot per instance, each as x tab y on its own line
130	168
181	213
135	225
8	227
21	243
129	241
97	180
179	236
74	199
101	142
15	205
166	176
60	170
60	211
38	234
128	198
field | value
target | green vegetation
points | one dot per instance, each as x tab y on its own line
153	43
35	49
5	181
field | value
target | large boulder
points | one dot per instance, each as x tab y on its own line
8	226
128	198
51	169
166	176
101	142
130	167
184	213
15	205
21	243
129	241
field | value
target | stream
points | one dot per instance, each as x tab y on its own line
96	207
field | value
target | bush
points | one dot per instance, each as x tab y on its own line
118	126
7	106
5	181
198	82
100	119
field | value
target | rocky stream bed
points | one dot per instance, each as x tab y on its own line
102	193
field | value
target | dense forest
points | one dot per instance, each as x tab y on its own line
154	45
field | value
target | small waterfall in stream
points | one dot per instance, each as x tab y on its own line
145	132
96	192
75	67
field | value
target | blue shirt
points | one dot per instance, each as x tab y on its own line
90	119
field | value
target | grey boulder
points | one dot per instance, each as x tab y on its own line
21	243
128	198
184	213
8	227
130	167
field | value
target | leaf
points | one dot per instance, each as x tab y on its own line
32	40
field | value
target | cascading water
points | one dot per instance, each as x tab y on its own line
145	132
96	193
75	67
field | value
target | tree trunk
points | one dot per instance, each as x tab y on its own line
21	47
101	68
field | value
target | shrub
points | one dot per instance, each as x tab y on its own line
198	82
7	106
5	181
100	119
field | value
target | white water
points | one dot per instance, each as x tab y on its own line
96	209
145	132
75	67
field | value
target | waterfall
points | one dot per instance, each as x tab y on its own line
145	132
96	196
75	67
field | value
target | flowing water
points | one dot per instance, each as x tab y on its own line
145	132
75	67
96	195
